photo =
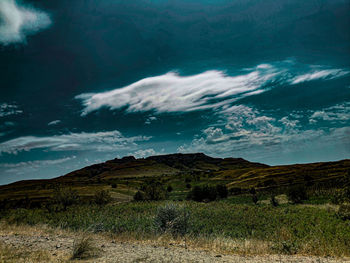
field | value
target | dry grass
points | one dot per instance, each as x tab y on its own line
84	248
11	254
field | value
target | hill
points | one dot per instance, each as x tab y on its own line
123	177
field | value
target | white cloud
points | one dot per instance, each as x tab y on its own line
249	132
337	113
9	109
172	93
37	163
143	153
320	74
209	90
150	119
100	141
55	122
17	21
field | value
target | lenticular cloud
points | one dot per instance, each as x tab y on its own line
16	22
209	90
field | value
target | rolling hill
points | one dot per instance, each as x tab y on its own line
123	177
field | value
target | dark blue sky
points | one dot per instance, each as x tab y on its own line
85	81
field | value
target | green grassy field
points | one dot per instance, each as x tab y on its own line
287	229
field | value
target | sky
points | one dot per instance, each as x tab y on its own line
85	81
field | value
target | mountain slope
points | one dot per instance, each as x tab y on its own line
123	177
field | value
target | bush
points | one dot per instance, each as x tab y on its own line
341	196
344	211
235	191
170	218
274	201
64	197
152	191
170	188
203	193
337	198
297	194
114	185
83	248
102	197
188	186
222	191
255	199
139	196
252	191
155	192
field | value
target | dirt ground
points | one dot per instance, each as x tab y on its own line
26	244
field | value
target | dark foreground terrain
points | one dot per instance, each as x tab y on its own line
180	208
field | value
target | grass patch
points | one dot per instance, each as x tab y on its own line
84	248
289	229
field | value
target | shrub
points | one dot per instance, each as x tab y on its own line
188	180
255	199
222	191
337	198
346	193
252	191
83	248
152	191
102	197
170	188
172	219
203	193
114	185
274	201
139	196
235	191
155	191
64	197
344	211
188	186
297	194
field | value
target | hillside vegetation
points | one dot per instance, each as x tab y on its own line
124	177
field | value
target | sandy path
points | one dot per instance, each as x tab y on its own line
57	247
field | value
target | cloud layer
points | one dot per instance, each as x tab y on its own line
246	131
17	21
212	89
100	141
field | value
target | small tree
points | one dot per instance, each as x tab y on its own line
297	194
222	191
170	188
252	191
255	199
102	197
274	201
139	196
201	193
64	197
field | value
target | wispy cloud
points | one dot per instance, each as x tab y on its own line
209	90
37	163
7	109
100	141
55	122
18	21
320	74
